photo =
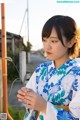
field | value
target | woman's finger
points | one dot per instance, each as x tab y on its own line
21	92
31	93
20	96
24	89
20	100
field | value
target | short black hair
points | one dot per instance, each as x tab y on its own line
64	26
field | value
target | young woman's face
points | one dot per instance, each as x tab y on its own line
53	47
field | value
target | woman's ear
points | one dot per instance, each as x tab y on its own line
71	43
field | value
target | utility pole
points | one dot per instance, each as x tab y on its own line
28	54
4	63
28	19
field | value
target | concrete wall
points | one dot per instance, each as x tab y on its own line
22	65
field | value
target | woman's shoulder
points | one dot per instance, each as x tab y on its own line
76	66
77	61
44	65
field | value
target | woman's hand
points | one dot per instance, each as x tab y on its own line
21	94
34	101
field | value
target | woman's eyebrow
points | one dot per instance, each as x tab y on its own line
54	37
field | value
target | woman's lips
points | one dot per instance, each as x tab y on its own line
48	53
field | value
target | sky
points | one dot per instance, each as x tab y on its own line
39	11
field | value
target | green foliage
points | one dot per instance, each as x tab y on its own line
28	48
12	73
13	68
17	113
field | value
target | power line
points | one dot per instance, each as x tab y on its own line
28	19
23	21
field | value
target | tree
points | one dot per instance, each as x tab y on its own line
28	47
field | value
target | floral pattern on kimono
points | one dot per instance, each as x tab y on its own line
57	87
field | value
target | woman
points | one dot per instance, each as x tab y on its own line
53	88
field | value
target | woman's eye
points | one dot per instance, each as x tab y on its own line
54	41
43	40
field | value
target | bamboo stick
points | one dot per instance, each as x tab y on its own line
1	93
4	64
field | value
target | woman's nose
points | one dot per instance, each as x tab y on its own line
48	46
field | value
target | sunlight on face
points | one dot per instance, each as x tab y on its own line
53	47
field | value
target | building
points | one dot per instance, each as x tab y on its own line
14	43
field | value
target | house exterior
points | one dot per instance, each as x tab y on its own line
14	43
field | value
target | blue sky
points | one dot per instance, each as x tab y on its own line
39	12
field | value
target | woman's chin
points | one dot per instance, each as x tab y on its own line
49	58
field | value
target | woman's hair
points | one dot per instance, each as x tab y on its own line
64	26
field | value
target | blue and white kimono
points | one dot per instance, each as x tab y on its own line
58	87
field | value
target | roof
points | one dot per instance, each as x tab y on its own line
11	35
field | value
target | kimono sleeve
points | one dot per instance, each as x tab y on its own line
51	112
74	105
32	82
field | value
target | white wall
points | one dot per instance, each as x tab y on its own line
22	65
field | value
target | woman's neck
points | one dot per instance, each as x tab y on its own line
59	62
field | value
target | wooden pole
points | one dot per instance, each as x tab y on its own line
1	88
4	63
